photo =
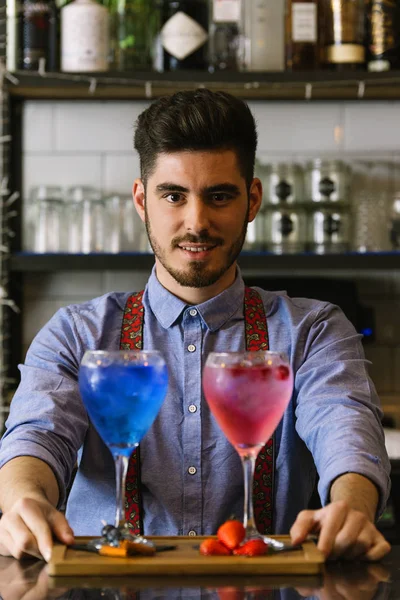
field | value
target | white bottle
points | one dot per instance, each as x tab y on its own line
84	37
263	37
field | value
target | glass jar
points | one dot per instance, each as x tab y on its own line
44	220
126	231
327	181
329	230
370	193
255	236
285	229
86	222
284	184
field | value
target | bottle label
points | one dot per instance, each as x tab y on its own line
226	11
182	35
84	37
304	22
345	53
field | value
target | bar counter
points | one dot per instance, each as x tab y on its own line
28	580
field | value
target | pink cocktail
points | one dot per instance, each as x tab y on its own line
248	392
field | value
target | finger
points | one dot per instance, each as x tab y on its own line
61	527
331	520
380	548
36	521
354	538
303	525
18	538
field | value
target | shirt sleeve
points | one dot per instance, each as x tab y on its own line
338	411
47	419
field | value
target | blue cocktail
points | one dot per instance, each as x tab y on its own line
122	392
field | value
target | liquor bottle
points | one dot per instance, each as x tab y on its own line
13	35
84	37
263	37
35	30
383	35
302	44
53	49
224	35
134	26
184	34
343	34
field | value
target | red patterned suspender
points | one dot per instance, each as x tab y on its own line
256	339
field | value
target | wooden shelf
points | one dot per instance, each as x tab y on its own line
27	262
314	85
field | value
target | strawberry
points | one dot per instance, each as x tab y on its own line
282	372
211	546
252	548
231	533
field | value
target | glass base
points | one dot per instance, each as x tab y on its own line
113	536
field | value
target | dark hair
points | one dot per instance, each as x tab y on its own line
196	120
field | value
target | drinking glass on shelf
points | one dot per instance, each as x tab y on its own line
122	391
369	196
44	220
125	230
86	220
248	392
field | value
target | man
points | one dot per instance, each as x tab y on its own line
196	195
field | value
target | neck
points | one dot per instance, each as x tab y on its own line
192	295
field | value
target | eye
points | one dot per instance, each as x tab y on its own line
173	198
220	197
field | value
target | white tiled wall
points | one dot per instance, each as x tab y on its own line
71	143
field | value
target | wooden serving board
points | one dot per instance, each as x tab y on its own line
184	560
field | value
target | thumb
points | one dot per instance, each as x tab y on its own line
61	527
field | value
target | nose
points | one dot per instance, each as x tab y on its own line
197	217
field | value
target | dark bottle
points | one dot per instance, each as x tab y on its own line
301	35
224	35
35	32
383	35
343	34
135	24
184	34
53	45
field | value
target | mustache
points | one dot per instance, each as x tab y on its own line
196	239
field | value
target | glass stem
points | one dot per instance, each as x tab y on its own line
121	469
249	463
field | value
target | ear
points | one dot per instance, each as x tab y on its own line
255	198
138	195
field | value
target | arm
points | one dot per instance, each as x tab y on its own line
28	496
45	428
338	418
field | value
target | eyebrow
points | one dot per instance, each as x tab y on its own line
212	189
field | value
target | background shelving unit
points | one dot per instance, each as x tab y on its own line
303	87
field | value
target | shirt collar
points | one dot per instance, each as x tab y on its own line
215	312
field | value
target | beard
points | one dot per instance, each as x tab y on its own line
198	274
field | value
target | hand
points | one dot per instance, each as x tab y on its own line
27	529
343	532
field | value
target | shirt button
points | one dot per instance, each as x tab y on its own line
192	470
192	533
192	408
191	348
193	312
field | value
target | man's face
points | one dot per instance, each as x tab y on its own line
196	209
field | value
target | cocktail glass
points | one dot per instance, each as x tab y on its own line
248	392
122	392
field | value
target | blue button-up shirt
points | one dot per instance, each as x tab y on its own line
191	476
